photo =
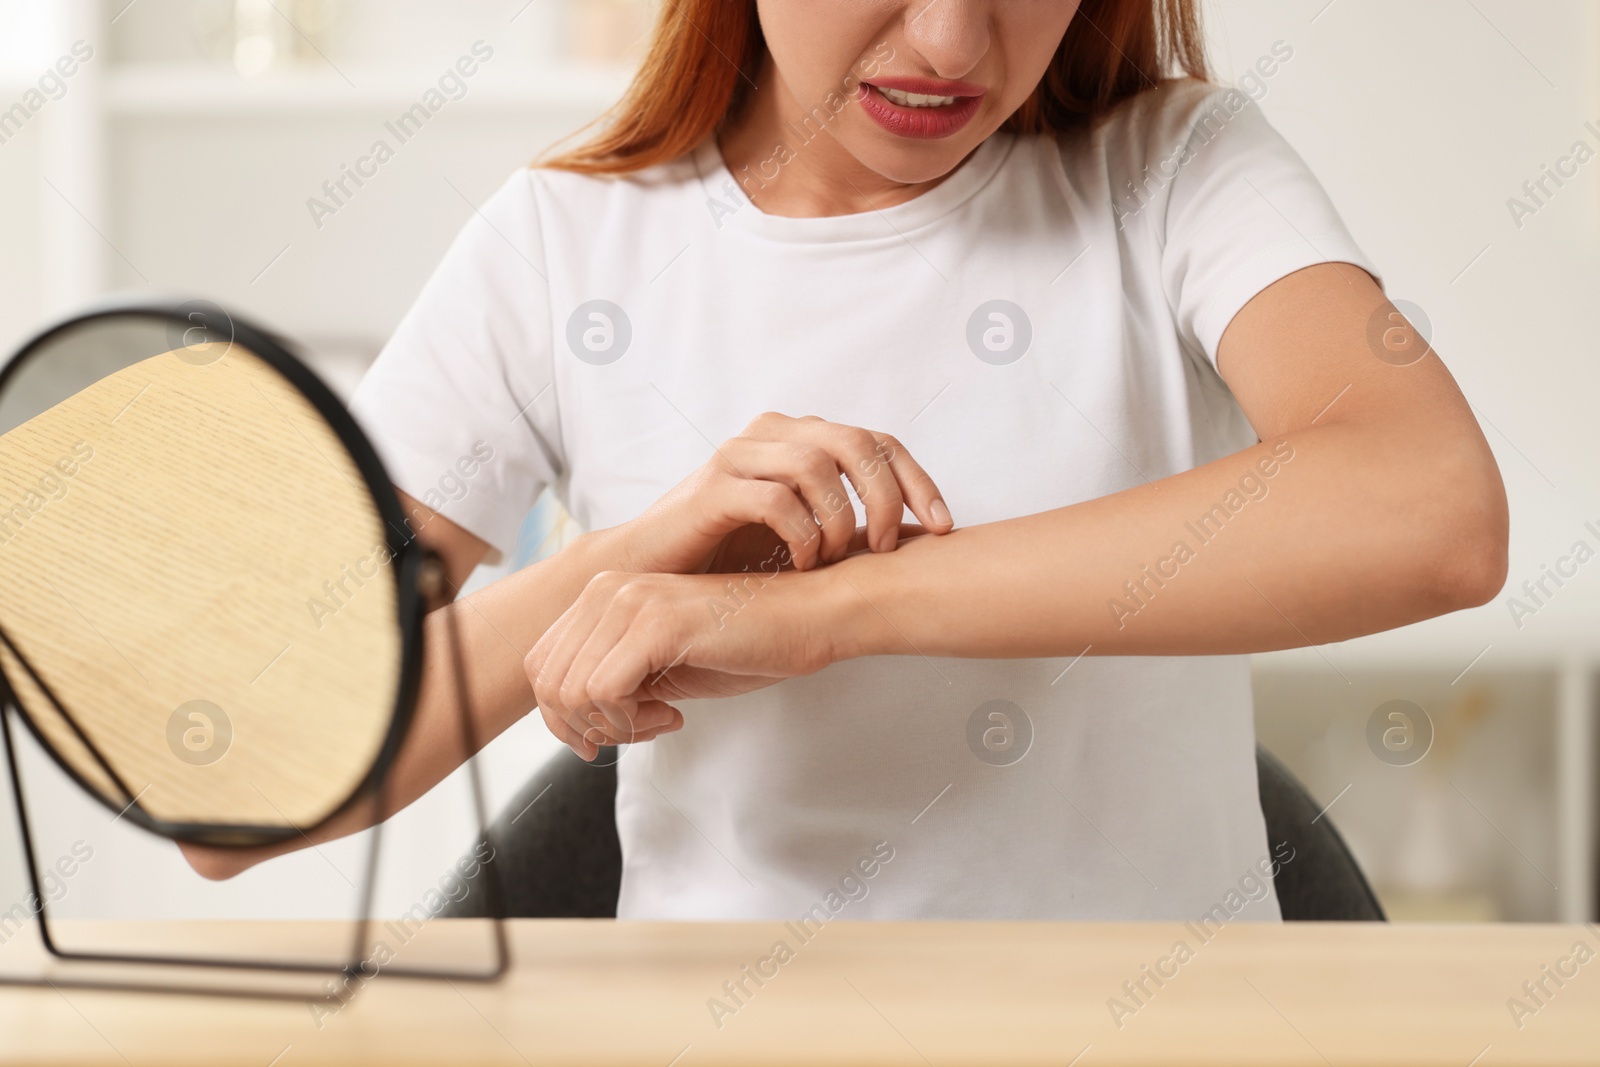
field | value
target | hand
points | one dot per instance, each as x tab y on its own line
631	642
774	498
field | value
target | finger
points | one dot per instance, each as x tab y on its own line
649	649
616	720
908	530
875	483
549	661
885	476
653	734
561	731
643	728
812	464
771	496
653	716
570	713
817	475
623	722
541	682
857	453
644	719
921	495
547	691
674	717
818	525
671	723
611	715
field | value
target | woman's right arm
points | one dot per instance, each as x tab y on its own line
781	475
496	626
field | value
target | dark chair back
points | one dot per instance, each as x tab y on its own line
555	845
1323	882
558	856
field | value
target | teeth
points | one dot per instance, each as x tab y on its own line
915	99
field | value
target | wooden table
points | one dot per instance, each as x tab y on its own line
593	992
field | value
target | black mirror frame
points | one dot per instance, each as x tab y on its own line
405	553
415	570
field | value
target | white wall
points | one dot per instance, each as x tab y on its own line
1422	119
207	183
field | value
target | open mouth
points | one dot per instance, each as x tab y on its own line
920	108
904	99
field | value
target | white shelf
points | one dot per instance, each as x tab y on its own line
186	91
1449	646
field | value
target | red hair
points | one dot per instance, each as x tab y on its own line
704	55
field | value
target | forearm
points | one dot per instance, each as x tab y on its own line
1353	532
496	626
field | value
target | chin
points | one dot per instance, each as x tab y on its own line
908	160
912	164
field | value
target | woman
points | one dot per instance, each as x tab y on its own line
1162	416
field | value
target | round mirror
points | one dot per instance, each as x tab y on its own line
208	609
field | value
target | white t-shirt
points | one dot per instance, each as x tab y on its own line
886	787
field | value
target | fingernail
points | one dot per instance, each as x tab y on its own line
886	540
940	513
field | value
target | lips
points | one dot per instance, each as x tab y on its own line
914	107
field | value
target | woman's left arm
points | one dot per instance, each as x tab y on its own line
1384	506
1371	502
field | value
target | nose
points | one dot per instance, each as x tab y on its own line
951	35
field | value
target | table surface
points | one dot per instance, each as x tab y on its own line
600	992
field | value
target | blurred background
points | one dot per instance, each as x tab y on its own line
189	153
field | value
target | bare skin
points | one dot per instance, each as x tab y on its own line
1003	47
1385	506
1387	510
772	496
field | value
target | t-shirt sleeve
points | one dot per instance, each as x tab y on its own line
1243	211
460	403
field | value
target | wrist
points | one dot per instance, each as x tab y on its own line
848	618
607	550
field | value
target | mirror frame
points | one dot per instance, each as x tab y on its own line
406	552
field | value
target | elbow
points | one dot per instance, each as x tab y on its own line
1479	571
1473	539
213	864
